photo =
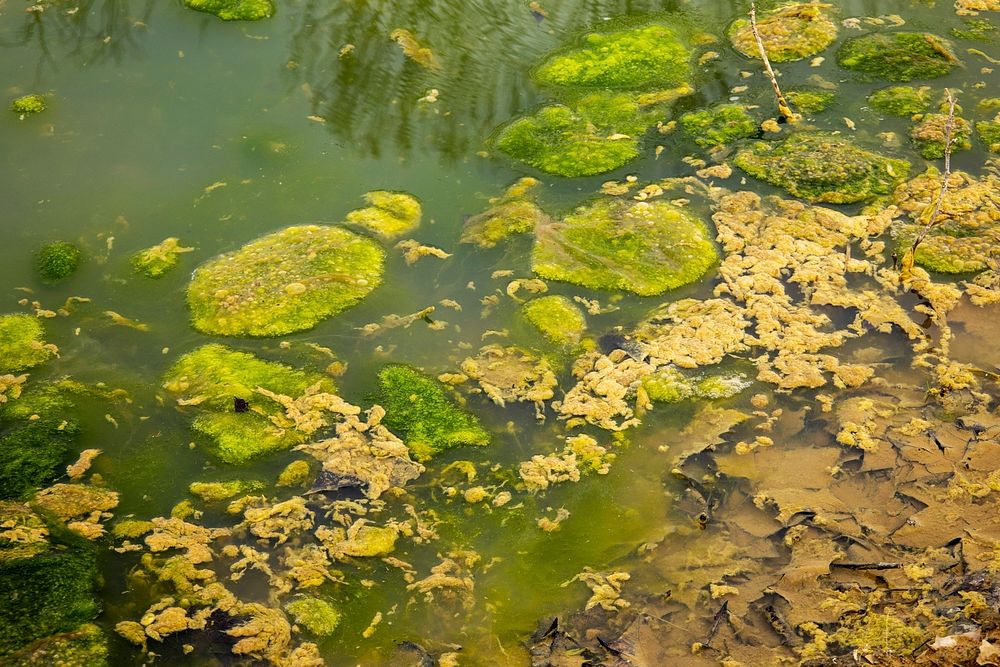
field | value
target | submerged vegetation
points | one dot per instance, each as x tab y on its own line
57	261
898	56
234	10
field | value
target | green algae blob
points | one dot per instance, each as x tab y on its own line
234	10
791	32
37	433
315	615
669	385
388	214
28	104
989	133
57	261
642	58
822	168
514	212
155	261
419	409
284	282
213	492
47	577
929	135
719	124
557	318
898	56
810	100
900	100
86	646
21	343
613	244
213	377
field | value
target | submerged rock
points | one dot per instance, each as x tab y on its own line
234	10
613	244
557	318
822	168
21	343
156	261
57	261
388	214
929	135
898	56
287	281
967	234
418	408
514	212
790	32
719	124
901	100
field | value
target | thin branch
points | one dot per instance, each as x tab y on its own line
783	108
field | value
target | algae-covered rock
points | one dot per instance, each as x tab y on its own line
719	124
419	409
989	133
156	261
930	131
388	214
46	587
643	247
28	104
822	168
967	233
790	32
898	56
87	646
315	615
57	261
213	492
234	10
514	212
557	318
21	343
641	58
810	100
37	433
283	282
901	100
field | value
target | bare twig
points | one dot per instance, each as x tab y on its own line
783	108
949	127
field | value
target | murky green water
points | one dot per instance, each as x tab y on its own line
167	122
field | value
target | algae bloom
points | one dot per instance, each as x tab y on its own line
234	10
28	104
900	100
388	214
154	262
791	32
557	318
21	344
929	135
719	124
898	56
641	247
283	282
315	615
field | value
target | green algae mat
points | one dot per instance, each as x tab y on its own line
519	333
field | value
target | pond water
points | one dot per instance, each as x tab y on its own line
163	122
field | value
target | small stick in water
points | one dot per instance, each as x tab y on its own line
783	108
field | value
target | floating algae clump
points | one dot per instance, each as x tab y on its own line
822	168
315	615
420	411
226	385
84	647
559	319
47	577
27	104
509	374
898	56
901	100
234	10
57	261
283	282
989	133
388	214
157	260
613	244
651	56
21	344
719	124
669	385
929	135
514	212
792	32
967	233
810	100
212	492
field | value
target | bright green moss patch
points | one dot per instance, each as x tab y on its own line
810	100
557	318
929	135
718	125
822	168
213	492
613	244
901	100
315	615
295	473
283	282
234	10
514	212
155	261
21	343
57	261
84	647
420	411
669	385
651	56
989	133
388	214
790	32
132	528
28	104
898	56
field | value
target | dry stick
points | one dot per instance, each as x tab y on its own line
783	108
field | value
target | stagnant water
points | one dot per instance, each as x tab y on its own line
163	121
